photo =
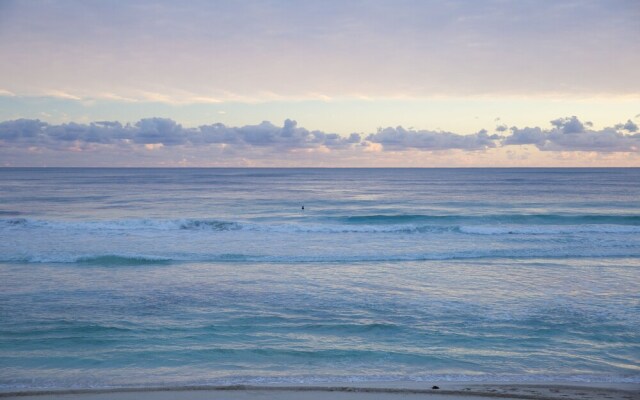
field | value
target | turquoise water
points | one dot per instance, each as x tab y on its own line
146	277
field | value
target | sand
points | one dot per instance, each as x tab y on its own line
369	391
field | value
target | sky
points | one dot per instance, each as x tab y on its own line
395	83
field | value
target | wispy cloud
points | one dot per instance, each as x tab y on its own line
131	96
331	49
60	94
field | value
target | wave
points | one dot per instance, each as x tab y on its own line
493	218
121	260
470	229
98	260
9	213
547	229
376	224
123	225
113	260
209	225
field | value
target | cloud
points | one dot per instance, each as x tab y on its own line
568	125
21	130
431	50
159	130
570	134
62	95
268	140
628	126
265	134
525	136
402	139
166	132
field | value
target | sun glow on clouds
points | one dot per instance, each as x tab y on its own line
153	146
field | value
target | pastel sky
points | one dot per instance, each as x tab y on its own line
320	83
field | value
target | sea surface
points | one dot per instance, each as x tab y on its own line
168	277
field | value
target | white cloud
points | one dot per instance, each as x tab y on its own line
62	95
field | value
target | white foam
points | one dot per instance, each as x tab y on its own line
547	229
214	225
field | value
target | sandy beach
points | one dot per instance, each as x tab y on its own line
384	391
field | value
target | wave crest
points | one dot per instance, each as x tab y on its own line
363	225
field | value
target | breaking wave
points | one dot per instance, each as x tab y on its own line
541	219
401	224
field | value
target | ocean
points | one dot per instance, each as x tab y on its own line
172	277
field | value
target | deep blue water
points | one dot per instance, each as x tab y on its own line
118	277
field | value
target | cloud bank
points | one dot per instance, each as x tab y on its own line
570	134
399	139
166	132
266	141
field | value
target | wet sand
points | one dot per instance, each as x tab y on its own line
368	391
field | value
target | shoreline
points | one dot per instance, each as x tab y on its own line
370	390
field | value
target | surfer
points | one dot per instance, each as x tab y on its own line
303	206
